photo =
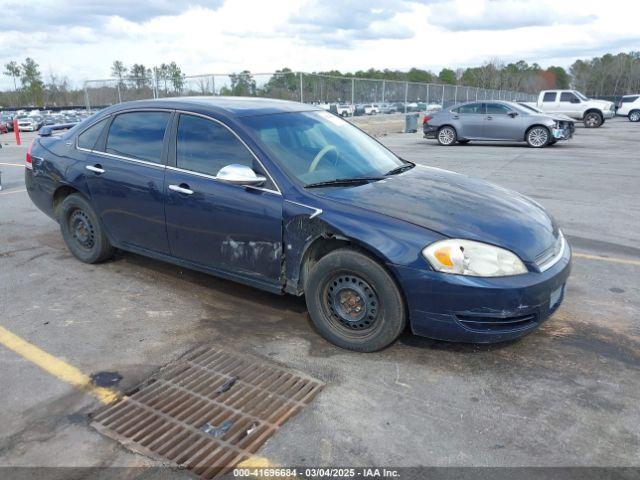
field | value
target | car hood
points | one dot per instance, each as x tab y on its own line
457	206
602	104
560	117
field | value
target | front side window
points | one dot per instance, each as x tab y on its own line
473	108
549	97
497	109
138	135
319	146
89	137
630	99
567	97
205	146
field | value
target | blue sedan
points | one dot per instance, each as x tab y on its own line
292	199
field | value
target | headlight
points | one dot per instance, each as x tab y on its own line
466	257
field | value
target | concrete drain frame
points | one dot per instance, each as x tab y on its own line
207	411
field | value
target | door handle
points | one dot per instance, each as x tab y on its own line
455	117
95	168
181	189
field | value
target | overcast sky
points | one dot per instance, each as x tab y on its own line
80	39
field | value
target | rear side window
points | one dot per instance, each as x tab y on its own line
630	99
205	146
471	108
549	97
567	97
89	137
138	135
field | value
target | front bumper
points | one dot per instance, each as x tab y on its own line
482	310
563	133
609	114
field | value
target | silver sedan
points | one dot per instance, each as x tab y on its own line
496	121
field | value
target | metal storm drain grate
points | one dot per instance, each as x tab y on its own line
207	412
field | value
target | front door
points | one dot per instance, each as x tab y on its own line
125	175
234	229
503	123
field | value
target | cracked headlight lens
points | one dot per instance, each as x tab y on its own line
466	257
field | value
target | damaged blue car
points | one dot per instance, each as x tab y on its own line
292	199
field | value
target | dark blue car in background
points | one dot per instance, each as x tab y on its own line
292	199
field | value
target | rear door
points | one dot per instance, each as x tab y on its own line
471	119
549	102
234	229
125	175
501	124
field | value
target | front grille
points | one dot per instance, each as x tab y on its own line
496	324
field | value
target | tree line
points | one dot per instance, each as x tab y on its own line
606	75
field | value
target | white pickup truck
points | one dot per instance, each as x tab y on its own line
575	105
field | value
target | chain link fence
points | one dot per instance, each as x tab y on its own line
297	86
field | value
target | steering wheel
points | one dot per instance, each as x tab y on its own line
319	156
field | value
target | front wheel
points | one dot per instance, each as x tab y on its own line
81	230
634	116
593	120
538	137
447	136
354	302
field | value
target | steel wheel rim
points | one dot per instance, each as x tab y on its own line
593	120
351	305
446	136
538	137
82	229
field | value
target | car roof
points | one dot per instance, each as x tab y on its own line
234	106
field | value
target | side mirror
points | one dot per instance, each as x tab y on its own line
575	100
236	174
513	114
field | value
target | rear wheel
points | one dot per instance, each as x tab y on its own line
634	116
593	120
538	136
447	136
354	302
82	231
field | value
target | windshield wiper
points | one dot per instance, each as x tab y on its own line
400	169
336	182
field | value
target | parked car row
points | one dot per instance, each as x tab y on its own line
349	109
35	119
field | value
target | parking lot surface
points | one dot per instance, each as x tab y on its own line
565	395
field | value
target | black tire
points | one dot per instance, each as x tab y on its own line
538	136
634	116
354	302
81	230
463	142
593	120
447	136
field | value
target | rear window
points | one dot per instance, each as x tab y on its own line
630	99
89	137
138	135
471	108
549	97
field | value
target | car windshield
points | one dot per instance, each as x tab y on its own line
580	96
320	147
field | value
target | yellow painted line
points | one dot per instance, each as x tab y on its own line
255	462
56	367
607	259
13	191
12	164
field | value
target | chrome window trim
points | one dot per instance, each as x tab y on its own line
128	159
211	177
556	258
278	191
317	211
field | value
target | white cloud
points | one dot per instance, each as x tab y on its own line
348	35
